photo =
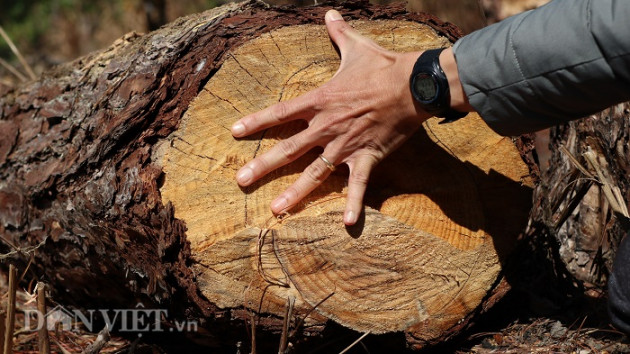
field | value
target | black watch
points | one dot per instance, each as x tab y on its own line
429	87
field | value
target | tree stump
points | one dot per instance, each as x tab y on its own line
118	179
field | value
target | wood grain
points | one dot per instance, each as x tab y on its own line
425	253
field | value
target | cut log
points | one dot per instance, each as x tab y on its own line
119	169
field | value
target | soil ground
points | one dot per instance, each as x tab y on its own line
549	319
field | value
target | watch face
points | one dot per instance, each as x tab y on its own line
425	87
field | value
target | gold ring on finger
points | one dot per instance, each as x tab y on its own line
329	164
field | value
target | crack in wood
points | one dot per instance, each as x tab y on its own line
277	46
222	99
249	73
304	68
246	97
393	33
189	153
267	60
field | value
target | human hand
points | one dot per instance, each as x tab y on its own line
360	116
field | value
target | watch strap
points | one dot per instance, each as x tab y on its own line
429	62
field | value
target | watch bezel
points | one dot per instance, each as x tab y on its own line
416	95
428	64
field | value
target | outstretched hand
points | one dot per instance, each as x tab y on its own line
360	116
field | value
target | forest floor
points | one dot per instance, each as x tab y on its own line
512	326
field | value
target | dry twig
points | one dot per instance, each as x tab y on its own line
20	250
3	319
253	332
17	53
10	321
284	339
610	189
61	347
13	70
102	339
43	342
354	343
301	321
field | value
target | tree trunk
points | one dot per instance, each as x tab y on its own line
581	201
118	179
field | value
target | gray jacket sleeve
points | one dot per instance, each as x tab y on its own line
565	60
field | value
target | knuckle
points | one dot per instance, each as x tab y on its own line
372	145
343	28
321	98
332	126
289	149
315	173
292	193
359	177
258	166
279	111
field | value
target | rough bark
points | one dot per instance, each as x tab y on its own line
581	201
97	159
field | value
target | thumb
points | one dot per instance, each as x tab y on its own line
341	32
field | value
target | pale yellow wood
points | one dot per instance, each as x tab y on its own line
435	211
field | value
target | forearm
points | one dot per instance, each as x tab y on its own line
564	61
459	100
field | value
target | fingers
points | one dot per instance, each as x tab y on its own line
303	106
316	173
357	183
340	32
281	112
281	154
312	177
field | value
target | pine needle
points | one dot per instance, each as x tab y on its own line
13	70
17	54
354	343
6	83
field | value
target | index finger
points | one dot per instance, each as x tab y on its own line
281	112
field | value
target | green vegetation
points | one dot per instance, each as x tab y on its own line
24	21
52	31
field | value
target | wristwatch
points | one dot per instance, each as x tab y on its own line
429	87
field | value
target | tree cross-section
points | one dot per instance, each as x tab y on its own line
121	166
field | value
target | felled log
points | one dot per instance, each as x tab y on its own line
118	172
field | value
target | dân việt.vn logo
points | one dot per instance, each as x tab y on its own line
138	319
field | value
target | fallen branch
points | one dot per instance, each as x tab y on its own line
102	339
43	342
10	320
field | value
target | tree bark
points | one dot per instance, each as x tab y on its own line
118	179
581	201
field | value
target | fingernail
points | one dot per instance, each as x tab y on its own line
350	218
334	15
238	129
279	204
244	176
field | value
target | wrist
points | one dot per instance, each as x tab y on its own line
407	62
459	100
